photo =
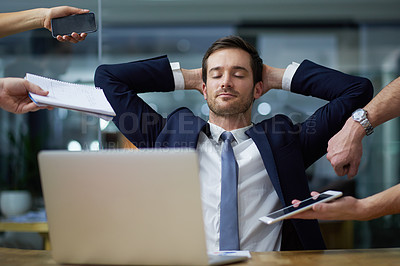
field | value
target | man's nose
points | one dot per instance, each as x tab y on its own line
226	82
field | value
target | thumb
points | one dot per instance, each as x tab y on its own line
74	10
35	89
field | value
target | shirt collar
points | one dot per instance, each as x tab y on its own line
238	134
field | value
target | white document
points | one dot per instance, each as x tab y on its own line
83	98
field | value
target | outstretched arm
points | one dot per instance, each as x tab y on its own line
345	148
348	208
16	22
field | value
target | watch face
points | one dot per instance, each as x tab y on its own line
358	115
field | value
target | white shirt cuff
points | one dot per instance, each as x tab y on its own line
178	76
288	75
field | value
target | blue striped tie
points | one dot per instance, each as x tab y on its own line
229	228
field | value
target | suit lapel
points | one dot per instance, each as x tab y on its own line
181	130
258	134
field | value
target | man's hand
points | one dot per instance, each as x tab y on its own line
272	78
63	11
346	208
193	79
14	95
345	149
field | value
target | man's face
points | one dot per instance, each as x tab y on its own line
230	87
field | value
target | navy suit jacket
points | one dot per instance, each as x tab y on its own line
286	149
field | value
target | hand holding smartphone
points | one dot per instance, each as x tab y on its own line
80	23
303	206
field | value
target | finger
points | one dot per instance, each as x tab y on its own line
346	169
77	37
328	155
82	11
60	38
353	169
318	207
30	107
340	170
83	36
70	10
296	203
69	39
309	214
314	195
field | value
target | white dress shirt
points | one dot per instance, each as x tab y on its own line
256	194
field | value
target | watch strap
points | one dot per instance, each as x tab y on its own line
364	122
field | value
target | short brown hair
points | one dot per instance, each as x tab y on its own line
256	62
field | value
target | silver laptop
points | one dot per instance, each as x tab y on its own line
125	207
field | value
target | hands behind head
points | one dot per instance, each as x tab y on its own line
272	78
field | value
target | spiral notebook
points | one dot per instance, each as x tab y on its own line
83	98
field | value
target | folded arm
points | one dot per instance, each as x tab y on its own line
122	82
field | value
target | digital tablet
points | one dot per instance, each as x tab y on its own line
303	206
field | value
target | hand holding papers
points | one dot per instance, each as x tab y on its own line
72	96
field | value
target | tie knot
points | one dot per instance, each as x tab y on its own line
226	135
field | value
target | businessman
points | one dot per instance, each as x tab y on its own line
271	156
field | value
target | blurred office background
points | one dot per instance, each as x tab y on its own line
360	37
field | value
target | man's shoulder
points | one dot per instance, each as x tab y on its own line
185	117
278	121
279	130
181	111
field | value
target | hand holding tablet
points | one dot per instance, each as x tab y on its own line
300	207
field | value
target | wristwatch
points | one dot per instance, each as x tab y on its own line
360	116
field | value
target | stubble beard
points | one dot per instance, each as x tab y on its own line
236	109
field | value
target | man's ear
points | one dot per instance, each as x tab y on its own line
258	90
204	91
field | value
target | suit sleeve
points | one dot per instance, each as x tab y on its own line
345	94
122	82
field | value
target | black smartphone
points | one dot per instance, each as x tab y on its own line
79	23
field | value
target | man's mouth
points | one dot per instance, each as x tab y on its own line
226	94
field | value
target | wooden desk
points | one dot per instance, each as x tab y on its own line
352	257
40	227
